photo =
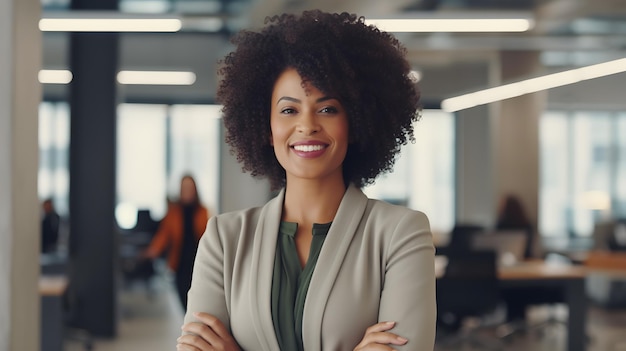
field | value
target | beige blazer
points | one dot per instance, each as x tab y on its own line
377	264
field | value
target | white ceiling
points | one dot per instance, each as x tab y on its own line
567	32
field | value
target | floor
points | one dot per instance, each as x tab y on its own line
605	331
151	321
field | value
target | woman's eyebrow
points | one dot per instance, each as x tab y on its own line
326	98
292	99
288	98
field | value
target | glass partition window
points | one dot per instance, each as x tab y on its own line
620	168
195	149
141	152
54	140
554	168
581	160
157	145
423	176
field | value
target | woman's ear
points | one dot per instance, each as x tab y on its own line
271	139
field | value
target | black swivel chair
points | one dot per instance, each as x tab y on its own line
145	223
461	238
469	288
132	243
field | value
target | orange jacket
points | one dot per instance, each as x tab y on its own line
170	234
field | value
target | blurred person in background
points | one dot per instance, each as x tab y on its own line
512	216
49	227
179	234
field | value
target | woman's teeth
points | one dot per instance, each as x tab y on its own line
308	148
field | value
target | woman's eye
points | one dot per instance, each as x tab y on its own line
288	111
329	109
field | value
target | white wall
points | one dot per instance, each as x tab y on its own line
239	190
474	167
600	94
6	219
20	58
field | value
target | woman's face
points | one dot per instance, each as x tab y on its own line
187	192
309	129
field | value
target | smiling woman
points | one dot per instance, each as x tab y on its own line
321	105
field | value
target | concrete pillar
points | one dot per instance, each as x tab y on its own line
20	94
516	138
516	128
238	190
474	166
93	103
475	174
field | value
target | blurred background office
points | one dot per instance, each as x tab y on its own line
99	124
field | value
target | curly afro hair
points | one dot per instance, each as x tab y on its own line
341	56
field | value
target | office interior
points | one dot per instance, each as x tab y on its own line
550	131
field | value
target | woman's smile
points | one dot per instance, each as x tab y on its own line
309	149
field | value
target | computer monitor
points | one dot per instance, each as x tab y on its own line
508	245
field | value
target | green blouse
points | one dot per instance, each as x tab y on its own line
290	283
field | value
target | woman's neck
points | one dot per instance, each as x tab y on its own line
309	201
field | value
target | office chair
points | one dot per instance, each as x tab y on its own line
132	243
469	289
145	223
461	238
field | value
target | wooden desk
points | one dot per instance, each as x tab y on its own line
51	290
568	279
541	270
612	263
53	285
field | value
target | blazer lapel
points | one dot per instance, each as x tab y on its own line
331	258
264	250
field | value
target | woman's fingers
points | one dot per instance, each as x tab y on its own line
383	338
380	327
184	347
201	331
192	342
217	327
377	337
207	331
375	347
215	324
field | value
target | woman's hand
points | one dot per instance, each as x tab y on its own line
378	337
207	335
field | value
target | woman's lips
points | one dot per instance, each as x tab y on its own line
309	149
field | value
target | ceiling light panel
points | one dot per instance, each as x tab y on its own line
533	85
113	24
453	25
156	77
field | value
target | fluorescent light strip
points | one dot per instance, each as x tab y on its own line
156	77
533	85
431	25
110	24
55	76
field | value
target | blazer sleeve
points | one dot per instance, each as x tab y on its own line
408	295
207	284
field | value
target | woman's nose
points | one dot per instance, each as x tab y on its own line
308	124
